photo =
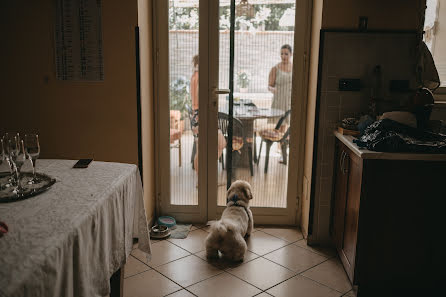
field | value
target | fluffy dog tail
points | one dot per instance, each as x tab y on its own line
224	238
219	232
215	239
222	229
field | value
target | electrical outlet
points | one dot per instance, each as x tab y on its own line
349	84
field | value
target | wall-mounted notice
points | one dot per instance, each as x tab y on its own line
78	37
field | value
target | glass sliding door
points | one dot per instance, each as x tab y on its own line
234	119
263	42
183	101
177	110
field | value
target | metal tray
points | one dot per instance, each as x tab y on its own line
7	194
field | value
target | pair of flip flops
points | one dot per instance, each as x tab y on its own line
3	228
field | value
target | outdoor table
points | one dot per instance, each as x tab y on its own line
247	114
71	239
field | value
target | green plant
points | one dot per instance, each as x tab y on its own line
180	95
243	79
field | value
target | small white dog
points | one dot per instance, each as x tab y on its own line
227	234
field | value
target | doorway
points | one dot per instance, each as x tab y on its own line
242	132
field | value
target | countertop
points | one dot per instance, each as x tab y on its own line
366	154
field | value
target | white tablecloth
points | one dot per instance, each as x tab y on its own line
69	240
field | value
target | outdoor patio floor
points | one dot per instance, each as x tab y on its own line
269	189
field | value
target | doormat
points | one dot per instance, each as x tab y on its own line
180	231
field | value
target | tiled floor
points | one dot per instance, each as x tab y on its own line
278	263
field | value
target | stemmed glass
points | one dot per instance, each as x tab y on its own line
17	156
32	148
7	157
2	159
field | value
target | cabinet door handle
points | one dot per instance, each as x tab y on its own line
341	161
345	168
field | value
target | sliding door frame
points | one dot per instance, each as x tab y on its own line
207	208
182	213
265	215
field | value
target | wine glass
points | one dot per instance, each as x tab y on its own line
2	152
7	158
32	148
18	157
2	159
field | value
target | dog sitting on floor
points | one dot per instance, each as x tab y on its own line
228	234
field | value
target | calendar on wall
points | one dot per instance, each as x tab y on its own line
78	38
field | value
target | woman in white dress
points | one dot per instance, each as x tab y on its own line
279	82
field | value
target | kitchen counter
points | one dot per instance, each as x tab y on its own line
366	154
388	219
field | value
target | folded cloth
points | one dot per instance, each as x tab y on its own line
389	136
180	231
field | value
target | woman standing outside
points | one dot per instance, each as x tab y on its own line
279	82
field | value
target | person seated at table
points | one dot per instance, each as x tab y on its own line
194	96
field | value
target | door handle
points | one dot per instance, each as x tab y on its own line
218	91
221	91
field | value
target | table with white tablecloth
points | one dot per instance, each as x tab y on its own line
69	240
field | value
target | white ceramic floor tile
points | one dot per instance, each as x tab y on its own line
134	266
287	234
301	286
261	273
323	251
181	293
330	273
188	271
261	243
162	253
295	258
193	243
149	283
223	284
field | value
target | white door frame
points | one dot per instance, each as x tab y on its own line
264	215
182	213
209	51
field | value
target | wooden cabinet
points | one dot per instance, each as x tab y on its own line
388	220
348	169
